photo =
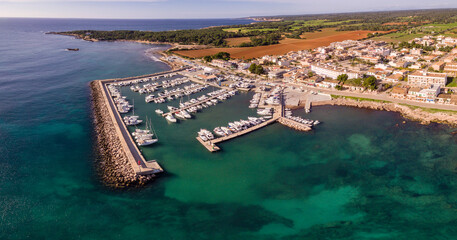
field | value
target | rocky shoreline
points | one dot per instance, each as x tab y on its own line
112	163
417	114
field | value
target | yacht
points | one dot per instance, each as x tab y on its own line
158	111
170	118
218	131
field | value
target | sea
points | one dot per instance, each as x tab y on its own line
360	174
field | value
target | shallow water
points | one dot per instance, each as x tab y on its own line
361	174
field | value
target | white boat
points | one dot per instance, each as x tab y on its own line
218	131
170	118
146	142
158	111
226	130
185	114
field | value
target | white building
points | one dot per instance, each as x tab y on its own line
426	79
331	72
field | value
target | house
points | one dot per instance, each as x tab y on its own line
438	66
276	74
413	92
444	98
425	79
394	77
430	94
399	92
417	51
331	72
451	68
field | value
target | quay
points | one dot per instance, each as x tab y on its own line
211	144
134	158
174	93
195	104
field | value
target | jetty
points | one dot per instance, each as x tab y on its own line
123	154
195	104
278	116
175	93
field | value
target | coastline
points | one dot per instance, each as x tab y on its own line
113	166
417	114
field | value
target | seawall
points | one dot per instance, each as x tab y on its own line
113	165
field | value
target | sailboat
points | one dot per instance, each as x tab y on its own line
145	138
132	119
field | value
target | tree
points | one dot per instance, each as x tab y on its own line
259	70
369	82
342	79
208	58
252	68
310	74
339	87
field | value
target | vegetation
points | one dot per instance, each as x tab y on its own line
368	82
267	39
452	83
359	99
406	24
256	69
342	79
429	110
416	45
219	55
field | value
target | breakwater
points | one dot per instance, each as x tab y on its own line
113	164
294	125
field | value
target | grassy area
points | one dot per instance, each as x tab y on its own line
360	99
420	31
453	83
429	110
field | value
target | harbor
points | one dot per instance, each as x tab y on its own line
136	129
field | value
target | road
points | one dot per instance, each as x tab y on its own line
382	97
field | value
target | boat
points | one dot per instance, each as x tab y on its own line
185	114
226	130
170	118
143	137
158	111
218	131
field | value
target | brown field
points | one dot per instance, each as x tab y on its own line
313	40
232	42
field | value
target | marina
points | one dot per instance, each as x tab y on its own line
267	102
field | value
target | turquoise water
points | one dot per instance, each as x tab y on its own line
361	174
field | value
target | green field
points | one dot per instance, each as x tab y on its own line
428	29
453	83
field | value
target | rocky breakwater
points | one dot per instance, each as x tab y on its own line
112	163
294	125
423	115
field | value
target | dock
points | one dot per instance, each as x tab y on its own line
174	93
211	144
135	158
308	105
195	104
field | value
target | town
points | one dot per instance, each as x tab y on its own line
421	70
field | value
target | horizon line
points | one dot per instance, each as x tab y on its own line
247	17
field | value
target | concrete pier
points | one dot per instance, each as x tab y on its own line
212	147
195	104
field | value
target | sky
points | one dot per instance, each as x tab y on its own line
175	9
